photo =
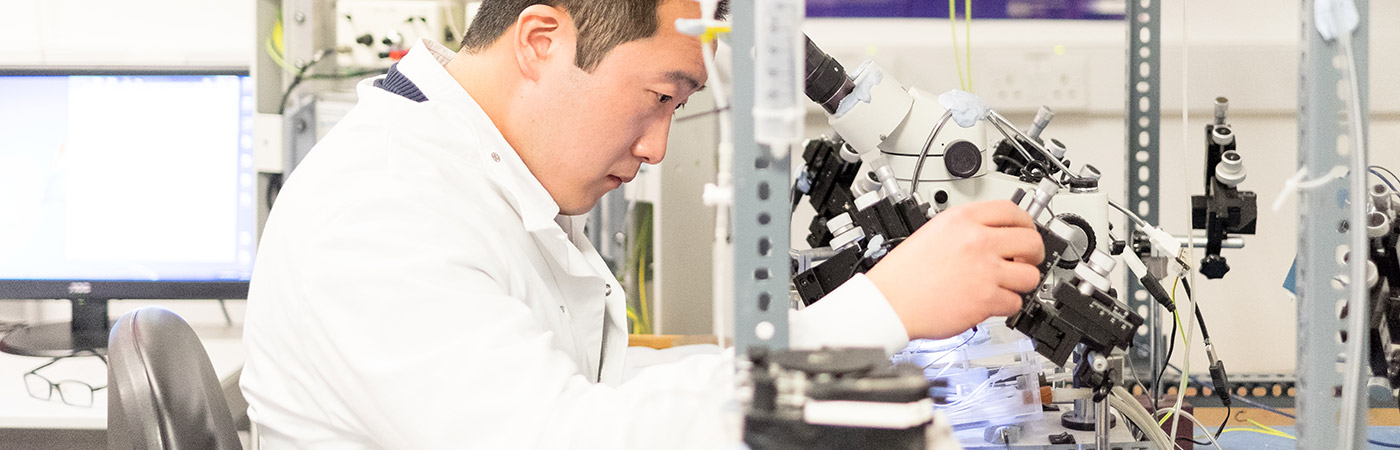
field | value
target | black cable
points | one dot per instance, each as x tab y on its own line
1157	381
998	159
1223	422
227	318
1193	441
1220	380
1205	334
301	75
955	347
1246	400
1392	174
1383	179
1218	431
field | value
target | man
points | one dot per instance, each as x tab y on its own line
423	282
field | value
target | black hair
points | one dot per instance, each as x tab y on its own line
602	24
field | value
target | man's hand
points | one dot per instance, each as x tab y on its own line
969	263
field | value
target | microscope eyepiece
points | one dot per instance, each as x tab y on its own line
826	82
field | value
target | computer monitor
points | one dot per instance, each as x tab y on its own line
122	184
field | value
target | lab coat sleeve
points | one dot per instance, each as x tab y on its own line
425	349
856	314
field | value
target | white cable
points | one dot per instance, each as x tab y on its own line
722	252
1133	411
1190	249
1360	297
1180	413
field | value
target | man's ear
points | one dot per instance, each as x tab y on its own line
542	34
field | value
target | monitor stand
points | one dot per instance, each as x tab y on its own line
86	334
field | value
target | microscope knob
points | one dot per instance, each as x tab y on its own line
1214	267
962	158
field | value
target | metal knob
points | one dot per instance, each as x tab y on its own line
1230	170
962	159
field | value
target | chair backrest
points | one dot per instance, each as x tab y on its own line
163	393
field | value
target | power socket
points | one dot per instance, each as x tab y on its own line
369	33
1022	81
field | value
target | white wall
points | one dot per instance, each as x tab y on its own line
126	32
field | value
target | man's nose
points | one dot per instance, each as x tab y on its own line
651	146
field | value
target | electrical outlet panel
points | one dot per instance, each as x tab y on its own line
373	34
1026	80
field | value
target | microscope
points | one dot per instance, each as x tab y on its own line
891	138
896	162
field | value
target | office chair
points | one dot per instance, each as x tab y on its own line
163	393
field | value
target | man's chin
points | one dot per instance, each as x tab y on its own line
581	207
586	202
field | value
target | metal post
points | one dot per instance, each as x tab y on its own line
760	217
1102	425
1325	142
1144	98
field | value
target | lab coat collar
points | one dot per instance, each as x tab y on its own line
539	213
424	66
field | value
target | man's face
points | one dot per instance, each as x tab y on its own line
596	129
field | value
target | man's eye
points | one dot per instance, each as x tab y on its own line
679	106
666	99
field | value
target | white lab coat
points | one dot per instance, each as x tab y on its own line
416	288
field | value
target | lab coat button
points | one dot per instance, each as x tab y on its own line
495	157
607	289
561	308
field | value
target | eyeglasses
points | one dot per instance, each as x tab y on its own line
71	392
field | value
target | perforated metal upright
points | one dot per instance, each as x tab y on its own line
1322	232
1142	168
760	213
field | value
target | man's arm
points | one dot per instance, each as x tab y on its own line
966	264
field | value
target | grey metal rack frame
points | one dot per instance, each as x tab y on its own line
759	214
1144	95
1322	231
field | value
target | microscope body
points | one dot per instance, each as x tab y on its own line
888	137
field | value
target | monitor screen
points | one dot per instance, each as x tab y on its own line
126	184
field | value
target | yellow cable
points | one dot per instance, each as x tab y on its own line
711	33
967	40
1266	427
953	26
642	285
643	241
275	48
1181	387
1252	430
277	36
277	59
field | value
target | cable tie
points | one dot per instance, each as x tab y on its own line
1296	183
